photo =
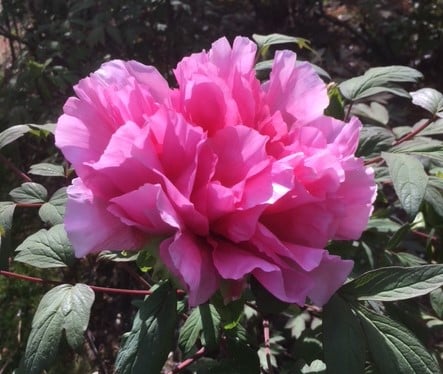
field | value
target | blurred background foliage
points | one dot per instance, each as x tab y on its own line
48	45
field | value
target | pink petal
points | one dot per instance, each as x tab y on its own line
328	278
189	258
147	208
296	91
92	228
232	262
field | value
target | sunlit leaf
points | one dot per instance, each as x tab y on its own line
46	249
394	283
429	99
29	193
48	170
12	133
379	80
65	307
409	179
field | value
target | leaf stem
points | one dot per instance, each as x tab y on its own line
121	291
14	168
412	133
184	364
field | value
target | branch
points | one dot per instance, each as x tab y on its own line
121	291
184	364
14	168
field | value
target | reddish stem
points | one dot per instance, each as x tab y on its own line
266	336
184	364
121	291
14	168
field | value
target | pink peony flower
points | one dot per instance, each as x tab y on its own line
240	178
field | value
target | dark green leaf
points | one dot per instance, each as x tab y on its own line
378	80
394	283
373	140
267	303
12	133
210	326
434	194
190	332
341	328
46	249
147	346
409	179
29	193
383	225
64	307
230	313
49	170
396	239
393	348
336	105
436	297
429	99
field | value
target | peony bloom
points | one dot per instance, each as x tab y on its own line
239	178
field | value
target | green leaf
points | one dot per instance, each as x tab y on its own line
336	105
393	348
297	324
147	346
12	133
210	326
267	303
409	179
394	283
396	239
194	328
434	194
374	140
53	211
316	366
265	65
48	170
378	80
265	41
6	214
436	298
374	111
429	99
190	332
341	328
46	249
76	310
230	313
384	225
65	307
121	256
29	193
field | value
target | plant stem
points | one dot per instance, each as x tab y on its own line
184	364
121	291
14	168
266	336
